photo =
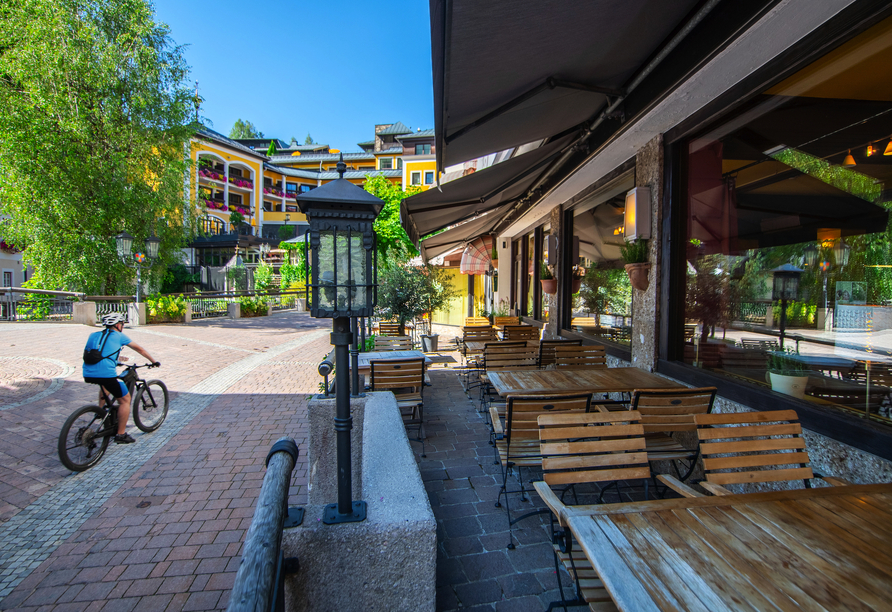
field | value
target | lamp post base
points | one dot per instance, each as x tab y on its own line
331	516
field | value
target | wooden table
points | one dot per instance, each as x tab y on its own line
815	549
365	358
477	346
591	380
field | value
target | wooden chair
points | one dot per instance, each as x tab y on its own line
504	356
517	440
751	447
580	449
479	333
388	328
393	343
546	350
476	321
579	357
520	332
405	379
502	321
665	412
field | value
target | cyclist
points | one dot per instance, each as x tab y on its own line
109	343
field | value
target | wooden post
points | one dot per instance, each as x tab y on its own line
255	583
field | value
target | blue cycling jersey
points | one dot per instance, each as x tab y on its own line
112	347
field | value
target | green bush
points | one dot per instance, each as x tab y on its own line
263	275
160	308
35	307
799	314
253	306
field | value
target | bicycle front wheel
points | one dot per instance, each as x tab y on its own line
150	406
84	438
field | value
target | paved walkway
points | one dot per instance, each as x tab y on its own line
158	525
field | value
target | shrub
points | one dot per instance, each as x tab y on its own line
161	308
253	306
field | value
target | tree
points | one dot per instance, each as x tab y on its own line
606	291
406	291
272	150
392	238
235	220
95	118
244	129
309	140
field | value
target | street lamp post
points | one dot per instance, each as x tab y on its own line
785	287
840	251
344	287
140	259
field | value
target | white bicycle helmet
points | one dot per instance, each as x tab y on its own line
112	319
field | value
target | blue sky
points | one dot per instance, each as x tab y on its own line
292	67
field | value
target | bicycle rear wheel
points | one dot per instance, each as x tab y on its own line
150	406
84	438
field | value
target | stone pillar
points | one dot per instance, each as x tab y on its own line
187	318
234	310
552	327
84	313
136	314
646	304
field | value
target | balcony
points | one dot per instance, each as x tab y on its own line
241	183
218	205
273	191
211	175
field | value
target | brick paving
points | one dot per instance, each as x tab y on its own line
158	525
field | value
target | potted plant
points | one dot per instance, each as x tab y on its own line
576	279
634	253
549	282
786	374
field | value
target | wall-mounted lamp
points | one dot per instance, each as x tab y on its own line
637	215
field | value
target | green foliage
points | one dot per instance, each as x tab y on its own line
845	179
634	251
405	292
501	309
780	363
263	276
176	278
272	150
545	272
286	232
95	117
309	140
253	306
290	274
709	293
236	219
799	314
606	291
392	239
162	308
369	343
238	278
35	307
244	129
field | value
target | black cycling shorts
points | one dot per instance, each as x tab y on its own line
115	386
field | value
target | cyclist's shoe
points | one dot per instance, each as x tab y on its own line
124	439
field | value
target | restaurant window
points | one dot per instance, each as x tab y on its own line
601	291
796	185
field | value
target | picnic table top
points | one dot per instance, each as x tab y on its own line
588	380
821	548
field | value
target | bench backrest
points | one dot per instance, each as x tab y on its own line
670	410
478	333
509	356
506	321
393	343
476	321
546	350
400	376
762	446
388	328
578	357
521	332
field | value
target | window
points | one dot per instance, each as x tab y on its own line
210	225
385	163
422	149
429	178
235	172
399	163
305	188
7	278
290	188
416	178
235	199
795	179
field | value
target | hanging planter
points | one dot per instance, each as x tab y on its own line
575	284
549	285
638	275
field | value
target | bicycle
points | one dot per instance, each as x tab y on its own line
87	432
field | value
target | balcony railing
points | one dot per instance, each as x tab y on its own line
273	191
211	174
241	182
216	205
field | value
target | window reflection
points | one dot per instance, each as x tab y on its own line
799	179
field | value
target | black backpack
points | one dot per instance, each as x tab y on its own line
94	356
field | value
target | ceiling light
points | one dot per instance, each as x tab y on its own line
888	150
849	161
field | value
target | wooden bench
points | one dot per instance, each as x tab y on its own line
502	321
476	321
521	332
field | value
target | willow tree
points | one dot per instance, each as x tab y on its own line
94	131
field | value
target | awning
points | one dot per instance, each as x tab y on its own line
477	257
456	236
485	190
525	70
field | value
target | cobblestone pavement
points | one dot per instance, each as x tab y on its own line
158	523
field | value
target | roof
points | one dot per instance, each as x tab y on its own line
321	157
395	130
295	172
420	134
210	134
390	151
367	143
258	143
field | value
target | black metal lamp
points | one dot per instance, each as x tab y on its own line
785	287
841	253
344	287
